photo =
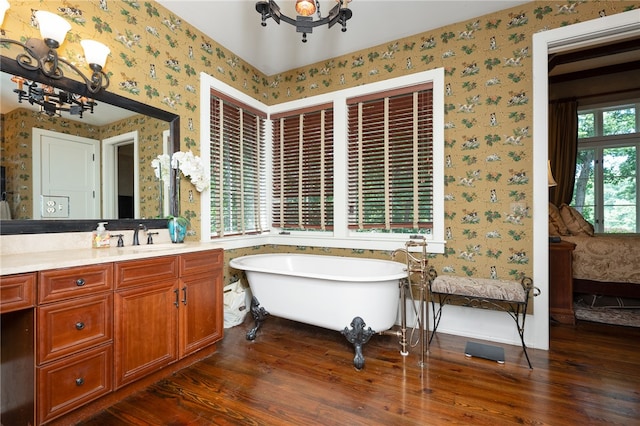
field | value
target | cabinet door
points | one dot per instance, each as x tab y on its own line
201	321
146	327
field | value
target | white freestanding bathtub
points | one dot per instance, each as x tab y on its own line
327	291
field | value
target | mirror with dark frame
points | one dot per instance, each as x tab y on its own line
31	226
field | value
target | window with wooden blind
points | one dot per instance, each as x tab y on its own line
390	161
238	172
302	197
359	168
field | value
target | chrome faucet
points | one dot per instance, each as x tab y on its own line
136	241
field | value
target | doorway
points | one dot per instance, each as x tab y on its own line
120	177
125	191
598	31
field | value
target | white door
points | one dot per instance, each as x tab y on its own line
66	176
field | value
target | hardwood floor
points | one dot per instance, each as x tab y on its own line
297	374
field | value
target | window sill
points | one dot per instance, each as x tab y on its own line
386	243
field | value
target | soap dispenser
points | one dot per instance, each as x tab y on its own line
101	237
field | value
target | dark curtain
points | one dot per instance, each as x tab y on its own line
563	148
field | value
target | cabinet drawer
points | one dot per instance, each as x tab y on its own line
17	292
71	382
201	261
60	284
68	327
146	271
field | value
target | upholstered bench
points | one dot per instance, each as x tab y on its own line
506	295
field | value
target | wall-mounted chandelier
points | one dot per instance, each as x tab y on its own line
50	102
42	54
304	22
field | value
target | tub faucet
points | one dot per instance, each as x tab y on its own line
396	251
136	241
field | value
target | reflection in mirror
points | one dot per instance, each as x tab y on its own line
100	171
35	145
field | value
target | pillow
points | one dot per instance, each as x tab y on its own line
553	230
556	223
575	222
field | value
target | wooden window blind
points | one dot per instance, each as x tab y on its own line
238	173
303	169
390	161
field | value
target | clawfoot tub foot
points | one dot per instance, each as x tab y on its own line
358	336
259	315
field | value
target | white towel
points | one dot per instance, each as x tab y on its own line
5	211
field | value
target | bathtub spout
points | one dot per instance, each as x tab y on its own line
259	314
396	251
358	336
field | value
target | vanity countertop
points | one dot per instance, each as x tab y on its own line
53	259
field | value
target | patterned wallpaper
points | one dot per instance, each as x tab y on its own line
156	58
16	142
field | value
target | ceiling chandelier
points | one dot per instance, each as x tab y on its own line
304	22
50	102
42	54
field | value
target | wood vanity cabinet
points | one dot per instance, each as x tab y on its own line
74	346
100	327
165	308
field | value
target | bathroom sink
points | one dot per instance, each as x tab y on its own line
143	248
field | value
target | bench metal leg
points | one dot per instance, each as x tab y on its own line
520	316
437	313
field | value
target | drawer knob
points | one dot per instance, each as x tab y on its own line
79	381
80	282
79	325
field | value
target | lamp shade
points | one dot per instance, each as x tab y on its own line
552	181
52	26
95	52
4	5
305	7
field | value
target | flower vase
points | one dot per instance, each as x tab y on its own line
177	231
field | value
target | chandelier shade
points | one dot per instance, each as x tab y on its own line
305	7
95	52
550	179
4	6
52	27
304	23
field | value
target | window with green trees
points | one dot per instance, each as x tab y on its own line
606	190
